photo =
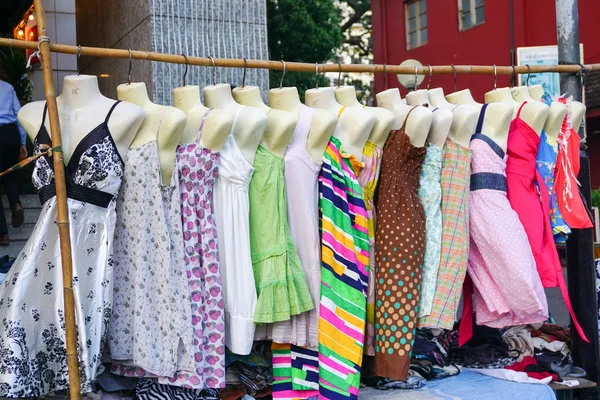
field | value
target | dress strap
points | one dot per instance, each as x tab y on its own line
110	111
159	123
341	111
202	125
403	127
237	114
481	118
520	108
44	113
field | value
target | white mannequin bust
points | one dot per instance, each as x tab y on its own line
496	121
442	118
384	119
536	92
322	125
280	124
521	94
419	121
251	122
172	123
533	113
437	99
556	115
577	114
81	108
353	128
217	125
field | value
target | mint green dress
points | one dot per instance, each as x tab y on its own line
279	277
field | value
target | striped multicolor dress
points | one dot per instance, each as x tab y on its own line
344	282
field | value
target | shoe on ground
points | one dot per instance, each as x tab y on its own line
4	240
18	215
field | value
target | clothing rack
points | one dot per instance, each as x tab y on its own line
45	48
298	66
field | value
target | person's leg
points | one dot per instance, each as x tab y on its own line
11	143
3	143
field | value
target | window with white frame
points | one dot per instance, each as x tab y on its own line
415	12
470	13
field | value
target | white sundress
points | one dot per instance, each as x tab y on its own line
33	358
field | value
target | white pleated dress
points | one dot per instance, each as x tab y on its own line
232	213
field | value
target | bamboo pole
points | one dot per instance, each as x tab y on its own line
61	204
297	66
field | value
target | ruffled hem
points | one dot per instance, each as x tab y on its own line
282	288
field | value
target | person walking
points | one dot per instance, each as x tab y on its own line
12	150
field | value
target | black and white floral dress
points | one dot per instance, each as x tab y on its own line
32	336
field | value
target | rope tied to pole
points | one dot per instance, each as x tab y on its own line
48	151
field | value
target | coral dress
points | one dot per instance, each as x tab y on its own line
523	181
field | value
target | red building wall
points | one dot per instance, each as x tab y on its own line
486	44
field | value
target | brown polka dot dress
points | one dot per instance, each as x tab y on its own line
399	253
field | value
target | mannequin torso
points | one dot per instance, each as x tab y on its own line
441	118
250	124
419	122
353	128
520	94
82	108
556	116
536	92
577	114
217	125
384	119
165	122
280	124
533	113
322	125
437	99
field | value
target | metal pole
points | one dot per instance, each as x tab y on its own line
580	246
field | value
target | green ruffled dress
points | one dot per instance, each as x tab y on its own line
280	282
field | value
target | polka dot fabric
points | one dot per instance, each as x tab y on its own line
400	246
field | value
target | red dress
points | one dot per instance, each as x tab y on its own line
531	203
570	203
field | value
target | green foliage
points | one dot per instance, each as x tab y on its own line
304	31
596	197
13	65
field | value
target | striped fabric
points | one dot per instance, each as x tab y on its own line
295	372
344	281
455	183
150	390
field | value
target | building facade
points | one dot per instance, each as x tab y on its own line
480	32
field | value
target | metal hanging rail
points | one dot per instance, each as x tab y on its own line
297	66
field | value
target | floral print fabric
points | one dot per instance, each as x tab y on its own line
430	193
33	358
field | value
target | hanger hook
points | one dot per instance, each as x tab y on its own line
282	75
339	74
430	76
317	75
528	74
186	69
244	75
416	77
495	76
384	77
214	70
582	73
130	67
454	73
513	76
78	57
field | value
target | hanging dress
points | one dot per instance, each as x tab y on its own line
430	194
150	322
400	247
455	178
570	202
198	169
368	179
301	174
546	166
507	287
232	211
280	280
33	361
529	198
344	276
